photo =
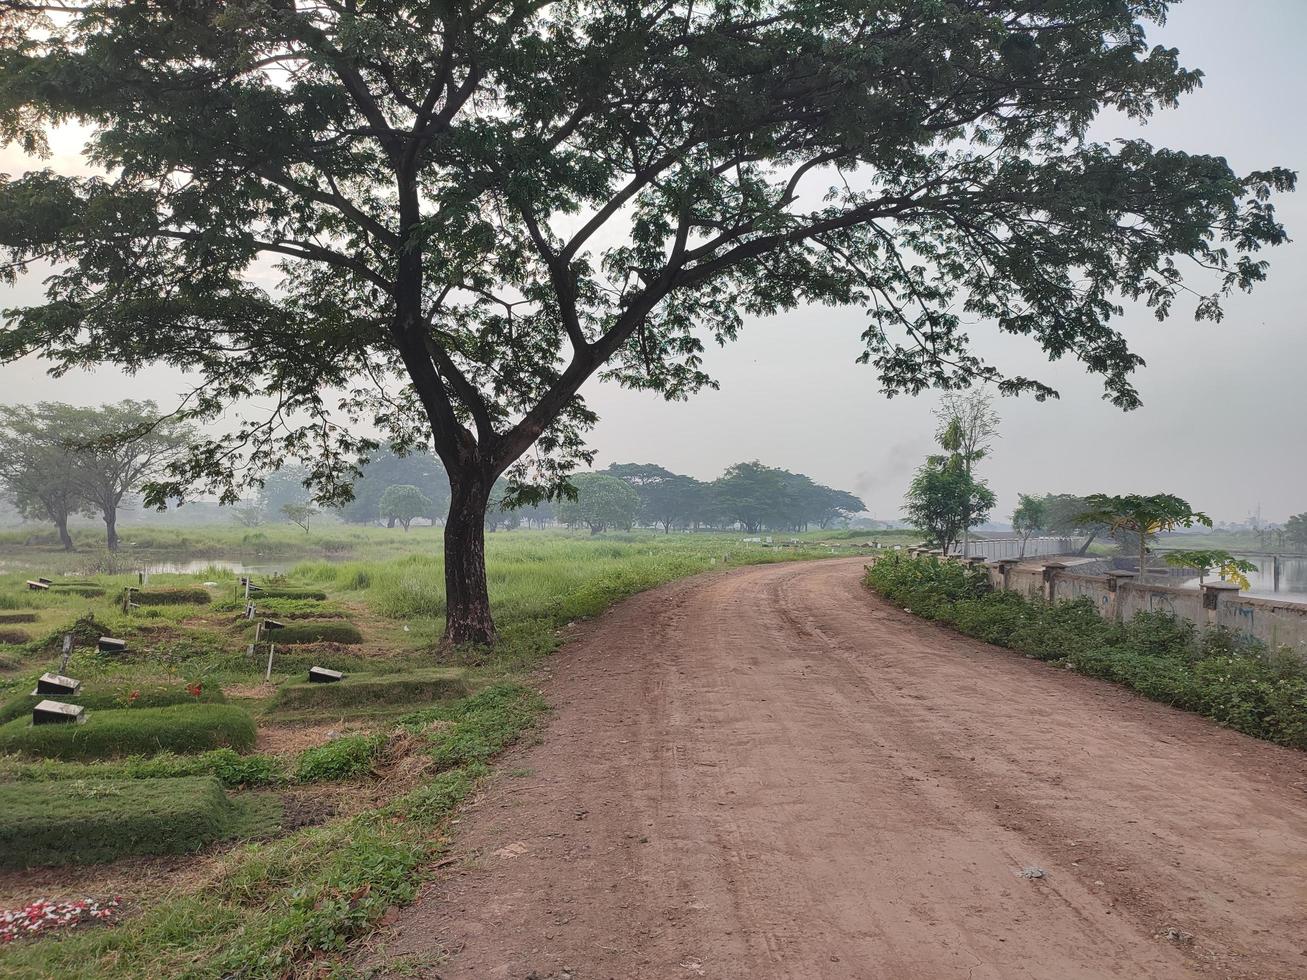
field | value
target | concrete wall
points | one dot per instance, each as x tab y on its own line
1116	596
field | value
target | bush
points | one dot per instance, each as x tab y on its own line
1226	676
324	632
87	821
171	597
341	758
140	696
180	728
359	689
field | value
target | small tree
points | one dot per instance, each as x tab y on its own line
944	501
403	503
601	502
1295	530
299	514
248	515
1029	518
1142	515
1230	568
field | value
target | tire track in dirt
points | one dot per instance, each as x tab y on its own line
771	772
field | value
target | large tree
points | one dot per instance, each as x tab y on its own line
37	464
119	448
476	207
601	502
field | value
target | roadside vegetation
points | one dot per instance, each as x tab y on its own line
1228	677
308	809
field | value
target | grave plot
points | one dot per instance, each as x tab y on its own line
312	631
408	687
93	821
106	734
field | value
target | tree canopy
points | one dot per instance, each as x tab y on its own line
1142	515
601	502
473	210
403	503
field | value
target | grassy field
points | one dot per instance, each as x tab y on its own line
364	775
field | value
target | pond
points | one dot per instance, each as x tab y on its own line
1292	583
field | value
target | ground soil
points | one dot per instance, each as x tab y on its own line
773	773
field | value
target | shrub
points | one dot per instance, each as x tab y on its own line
341	758
1226	676
358	689
180	728
87	821
171	597
139	696
314	632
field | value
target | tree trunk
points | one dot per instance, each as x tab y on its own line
111	528
65	538
390	522
1143	557
467	600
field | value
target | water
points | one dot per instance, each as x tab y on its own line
198	565
1293	579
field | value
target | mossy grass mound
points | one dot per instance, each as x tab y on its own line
125	696
17	617
288	592
328	631
84	591
171	597
180	728
419	686
229	767
92	821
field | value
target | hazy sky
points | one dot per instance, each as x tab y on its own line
1224	404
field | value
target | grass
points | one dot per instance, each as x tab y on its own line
432	684
92	821
179	728
126	696
272	906
1230	678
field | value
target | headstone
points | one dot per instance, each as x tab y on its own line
67	652
44	581
58	713
57	684
273	624
321	675
37	586
249	610
109	644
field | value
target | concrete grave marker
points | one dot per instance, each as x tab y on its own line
321	675
109	644
57	684
58	713
36	586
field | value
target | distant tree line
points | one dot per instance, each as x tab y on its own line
60	460
749	495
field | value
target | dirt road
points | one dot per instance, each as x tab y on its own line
772	773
